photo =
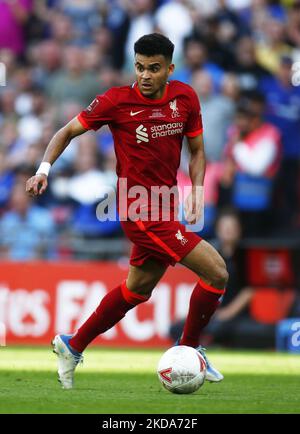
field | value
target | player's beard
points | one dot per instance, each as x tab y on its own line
153	91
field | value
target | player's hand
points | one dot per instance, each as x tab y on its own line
36	185
193	205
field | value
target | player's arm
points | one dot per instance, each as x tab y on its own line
37	184
197	161
194	202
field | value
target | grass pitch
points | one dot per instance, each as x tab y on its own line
125	381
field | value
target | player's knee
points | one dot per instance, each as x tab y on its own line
143	288
220	276
144	292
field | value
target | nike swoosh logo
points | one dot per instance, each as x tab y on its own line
136	113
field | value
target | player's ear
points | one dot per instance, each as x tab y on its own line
171	69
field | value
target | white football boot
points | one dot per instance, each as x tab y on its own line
212	374
68	359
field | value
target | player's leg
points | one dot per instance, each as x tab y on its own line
205	261
136	289
143	279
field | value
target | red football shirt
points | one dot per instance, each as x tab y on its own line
147	133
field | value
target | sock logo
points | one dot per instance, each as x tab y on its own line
141	134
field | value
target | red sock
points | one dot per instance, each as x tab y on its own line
110	311
203	303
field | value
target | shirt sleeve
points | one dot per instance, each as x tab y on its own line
194	125
98	113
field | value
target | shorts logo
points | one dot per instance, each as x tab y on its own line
141	134
181	238
173	107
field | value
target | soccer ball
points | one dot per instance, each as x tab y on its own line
181	369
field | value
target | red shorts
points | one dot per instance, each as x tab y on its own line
164	241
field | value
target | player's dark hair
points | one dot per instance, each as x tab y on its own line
153	44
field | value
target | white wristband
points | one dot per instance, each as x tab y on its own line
44	168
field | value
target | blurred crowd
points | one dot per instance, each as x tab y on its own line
239	55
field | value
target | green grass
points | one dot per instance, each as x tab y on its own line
123	381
